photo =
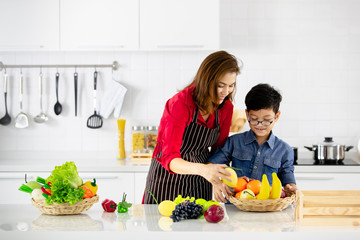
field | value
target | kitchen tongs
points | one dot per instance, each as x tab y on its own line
95	120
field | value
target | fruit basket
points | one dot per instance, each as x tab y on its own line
65	208
267	205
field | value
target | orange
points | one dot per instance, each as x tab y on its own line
254	186
238	195
241	185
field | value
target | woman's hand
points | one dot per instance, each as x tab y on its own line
214	173
221	190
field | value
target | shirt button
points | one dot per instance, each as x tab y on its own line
258	153
255	167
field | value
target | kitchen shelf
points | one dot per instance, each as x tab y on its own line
114	66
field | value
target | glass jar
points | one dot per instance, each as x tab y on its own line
151	137
138	139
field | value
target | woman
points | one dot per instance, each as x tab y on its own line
196	118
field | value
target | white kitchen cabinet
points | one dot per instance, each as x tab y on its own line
29	25
112	185
99	24
328	181
139	188
10	183
173	24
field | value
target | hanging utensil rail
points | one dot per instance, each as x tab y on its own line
114	66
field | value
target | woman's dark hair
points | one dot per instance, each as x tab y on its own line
207	78
263	96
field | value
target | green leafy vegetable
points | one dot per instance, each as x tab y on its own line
65	181
123	205
66	172
62	192
25	188
40	180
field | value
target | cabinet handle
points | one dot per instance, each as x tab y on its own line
28	178
17	47
100	46
180	46
314	178
100	177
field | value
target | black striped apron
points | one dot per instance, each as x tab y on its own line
195	148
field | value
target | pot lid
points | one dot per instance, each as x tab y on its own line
328	141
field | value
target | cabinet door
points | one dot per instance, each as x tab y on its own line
99	24
328	181
112	185
29	25
174	24
10	183
140	181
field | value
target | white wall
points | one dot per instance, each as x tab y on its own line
308	49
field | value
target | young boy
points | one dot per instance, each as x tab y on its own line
258	150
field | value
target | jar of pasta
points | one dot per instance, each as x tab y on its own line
151	137
138	139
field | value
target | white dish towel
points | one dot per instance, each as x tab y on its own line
113	99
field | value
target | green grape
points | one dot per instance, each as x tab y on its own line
179	199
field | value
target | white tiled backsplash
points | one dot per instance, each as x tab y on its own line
310	50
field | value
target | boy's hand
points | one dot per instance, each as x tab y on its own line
291	187
221	191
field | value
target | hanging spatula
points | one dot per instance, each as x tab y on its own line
95	120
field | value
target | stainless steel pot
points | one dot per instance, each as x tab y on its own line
328	150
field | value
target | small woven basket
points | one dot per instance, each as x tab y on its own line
65	208
267	205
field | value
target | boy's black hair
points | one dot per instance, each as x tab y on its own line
263	96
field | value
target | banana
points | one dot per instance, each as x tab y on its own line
276	187
264	189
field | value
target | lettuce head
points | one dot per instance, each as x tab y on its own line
65	182
66	173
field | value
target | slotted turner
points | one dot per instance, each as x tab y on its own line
95	120
21	120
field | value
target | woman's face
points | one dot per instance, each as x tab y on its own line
226	85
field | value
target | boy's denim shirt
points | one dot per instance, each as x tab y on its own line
243	151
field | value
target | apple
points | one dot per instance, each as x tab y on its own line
214	214
283	193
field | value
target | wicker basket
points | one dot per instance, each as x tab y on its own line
65	208
267	205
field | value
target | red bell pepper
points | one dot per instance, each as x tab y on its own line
109	205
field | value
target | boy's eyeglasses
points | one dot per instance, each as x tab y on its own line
265	123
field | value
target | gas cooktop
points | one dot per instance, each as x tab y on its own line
312	162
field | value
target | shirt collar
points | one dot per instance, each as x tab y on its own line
250	137
271	140
189	96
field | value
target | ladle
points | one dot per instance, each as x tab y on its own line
21	120
57	106
41	117
6	119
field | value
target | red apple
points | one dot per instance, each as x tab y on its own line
214	214
283	194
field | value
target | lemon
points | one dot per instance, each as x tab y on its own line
233	178
247	194
166	207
